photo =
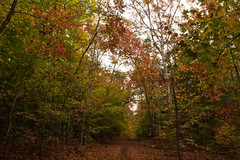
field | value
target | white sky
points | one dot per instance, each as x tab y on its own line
105	59
107	62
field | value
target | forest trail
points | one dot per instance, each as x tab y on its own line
132	149
123	149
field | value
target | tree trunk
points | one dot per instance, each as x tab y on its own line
177	121
236	69
149	111
82	130
10	115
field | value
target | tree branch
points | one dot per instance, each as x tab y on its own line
89	45
227	45
9	16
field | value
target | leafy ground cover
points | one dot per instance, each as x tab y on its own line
120	149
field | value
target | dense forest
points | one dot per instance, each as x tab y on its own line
73	73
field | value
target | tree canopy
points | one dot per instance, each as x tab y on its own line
183	73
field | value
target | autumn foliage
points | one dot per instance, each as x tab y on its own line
62	86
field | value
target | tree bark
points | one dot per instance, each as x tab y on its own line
236	69
9	16
177	121
149	111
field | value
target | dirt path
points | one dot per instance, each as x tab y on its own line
123	150
126	149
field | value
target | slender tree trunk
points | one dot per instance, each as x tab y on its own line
9	129
82	130
226	93
10	115
68	127
235	90
88	115
149	112
113	71
205	138
42	137
231	72
237	72
177	121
